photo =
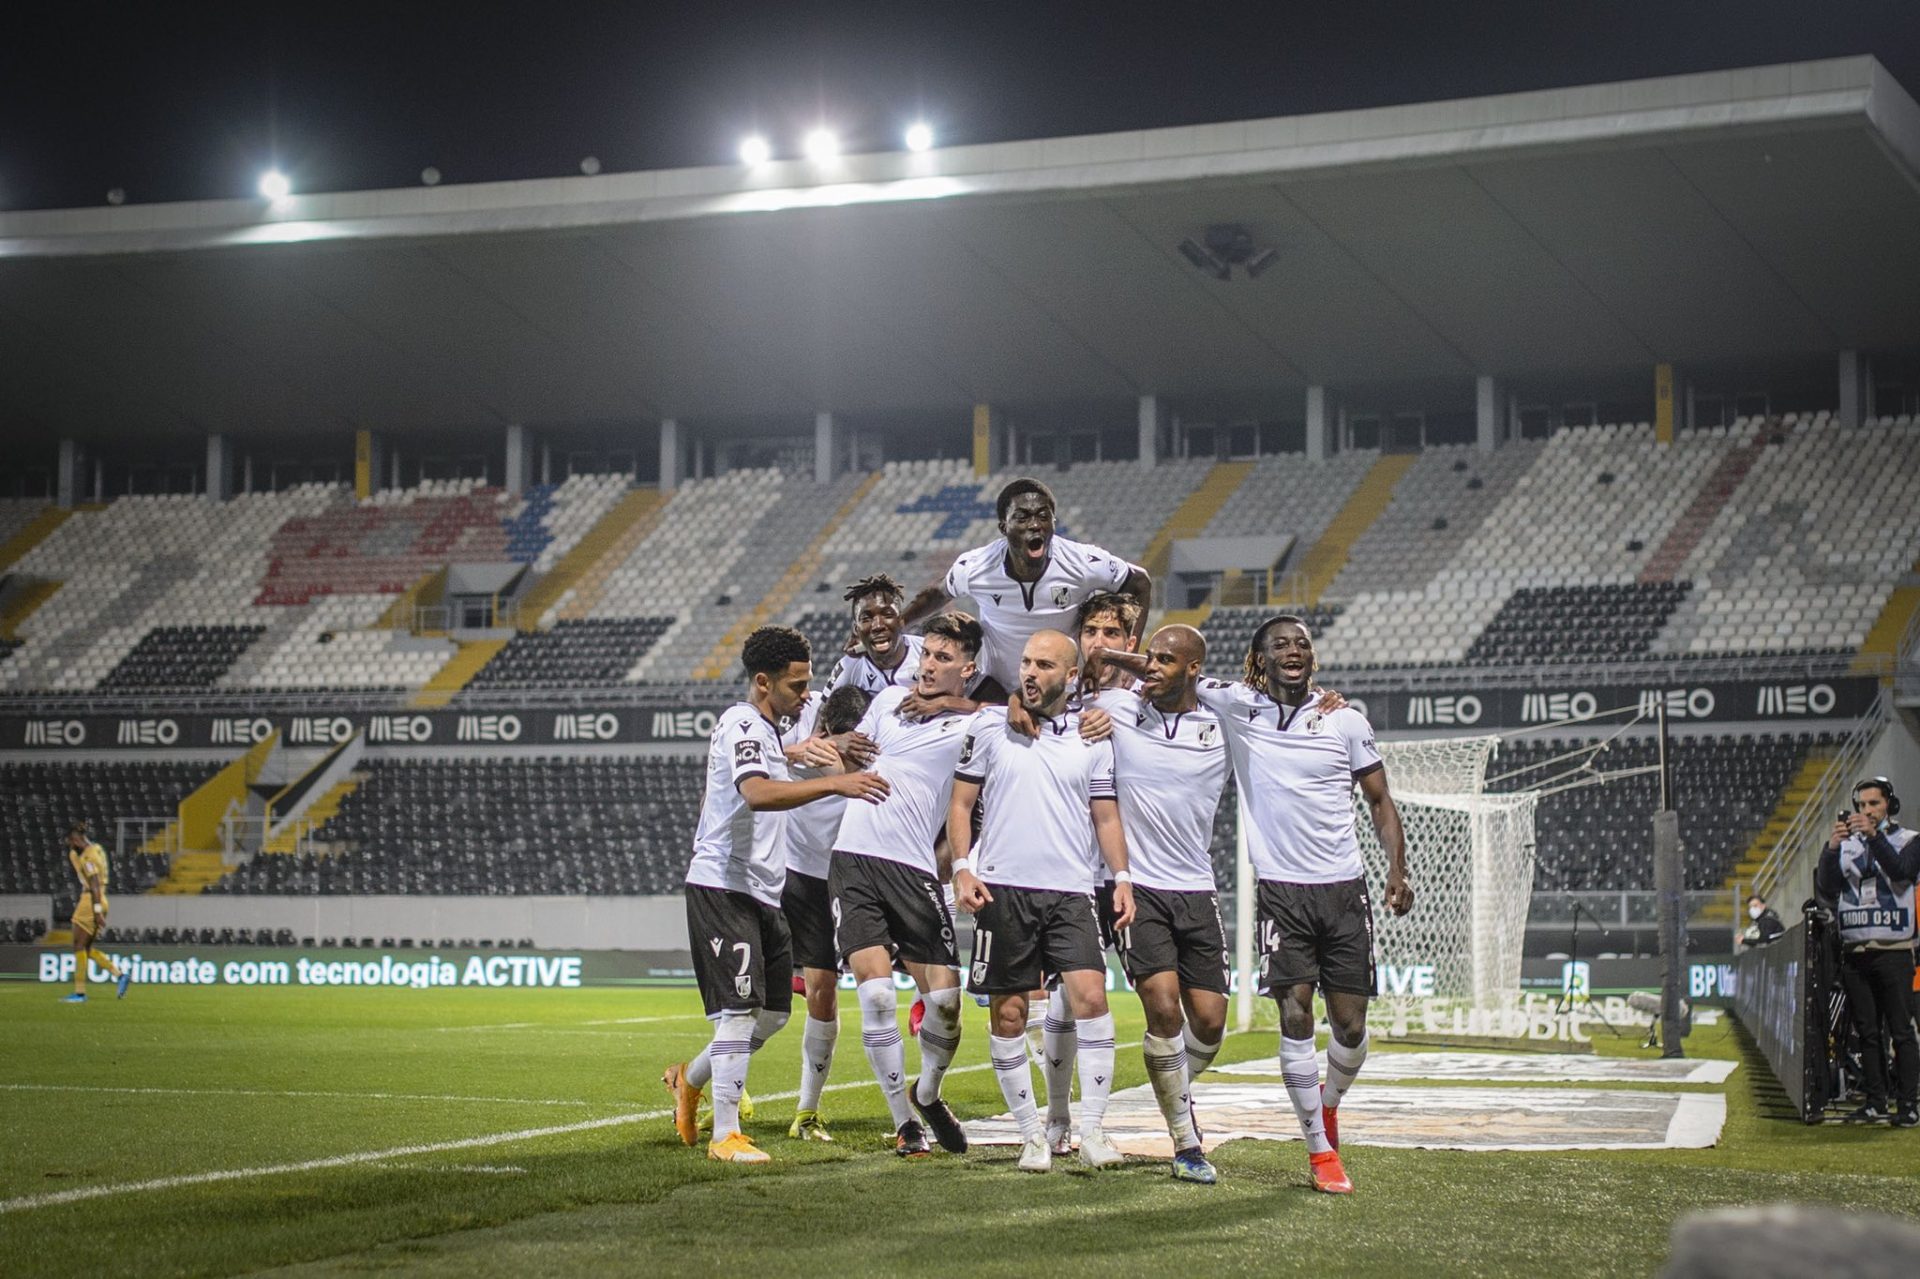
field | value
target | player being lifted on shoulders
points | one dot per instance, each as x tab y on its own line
885	877
1027	580
880	654
1049	800
1296	766
806	902
742	951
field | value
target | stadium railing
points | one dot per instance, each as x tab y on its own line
1788	870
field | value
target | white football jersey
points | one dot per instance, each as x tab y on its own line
811	827
1011	612
734	847
1296	771
917	757
858	669
1037	829
1169	771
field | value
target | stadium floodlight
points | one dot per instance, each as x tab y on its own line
754	150
821	144
919	136
1260	262
1205	261
274	185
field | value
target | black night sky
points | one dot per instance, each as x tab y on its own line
173	101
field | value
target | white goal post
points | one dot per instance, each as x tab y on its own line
1470	856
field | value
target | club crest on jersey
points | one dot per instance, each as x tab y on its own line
743	987
980	974
1060	595
1207	733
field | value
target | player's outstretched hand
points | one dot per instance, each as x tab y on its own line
868	786
1095	725
1122	906
1330	701
969	892
857	749
1020	719
1399	895
812	752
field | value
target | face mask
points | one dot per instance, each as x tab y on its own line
1754	912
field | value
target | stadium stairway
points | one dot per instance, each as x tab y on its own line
1694	522
1793	797
318	814
1883	641
1190	519
191	873
725	655
19	605
574	585
458	671
197	828
1324	560
34	532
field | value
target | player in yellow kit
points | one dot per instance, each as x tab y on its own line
89	862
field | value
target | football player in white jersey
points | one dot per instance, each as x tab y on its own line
1048	803
885	880
806	902
1170	767
880	654
1027	580
1296	766
742	951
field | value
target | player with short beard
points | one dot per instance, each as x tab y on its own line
1049	801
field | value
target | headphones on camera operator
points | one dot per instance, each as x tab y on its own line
1885	787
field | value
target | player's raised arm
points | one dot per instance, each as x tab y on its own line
764	795
931	599
1138	584
1112	838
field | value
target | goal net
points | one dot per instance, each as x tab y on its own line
1470	858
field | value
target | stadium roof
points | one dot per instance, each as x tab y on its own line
1766	212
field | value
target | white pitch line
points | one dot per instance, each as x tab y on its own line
549	1025
295	1092
83	1193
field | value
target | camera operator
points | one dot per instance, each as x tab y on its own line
1766	925
1868	868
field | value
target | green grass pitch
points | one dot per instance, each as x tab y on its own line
226	1088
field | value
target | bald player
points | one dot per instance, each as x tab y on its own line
1048	801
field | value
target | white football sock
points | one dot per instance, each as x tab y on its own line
816	1059
1200	1054
732	1047
880	1030
1096	1068
1343	1064
939	1040
1300	1069
1059	1044
700	1069
1016	1082
1167	1071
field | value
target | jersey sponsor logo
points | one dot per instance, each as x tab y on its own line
966	749
1794	699
716	943
748	753
996	601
